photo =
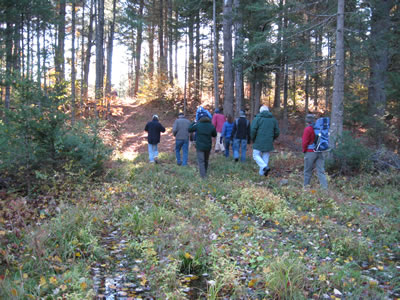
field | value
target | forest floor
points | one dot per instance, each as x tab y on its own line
159	231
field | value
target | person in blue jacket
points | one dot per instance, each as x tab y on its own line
226	134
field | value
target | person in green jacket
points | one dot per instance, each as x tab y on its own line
264	130
204	133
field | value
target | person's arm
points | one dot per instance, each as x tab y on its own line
223	130
174	128
248	132
162	128
253	130
192	127
214	132
147	127
307	138
276	130
233	129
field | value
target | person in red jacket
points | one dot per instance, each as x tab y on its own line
218	121
311	158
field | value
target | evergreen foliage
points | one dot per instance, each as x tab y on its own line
350	156
36	138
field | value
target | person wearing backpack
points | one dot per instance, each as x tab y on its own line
154	129
241	136
312	158
264	130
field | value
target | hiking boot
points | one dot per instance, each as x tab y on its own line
156	160
179	163
236	159
266	171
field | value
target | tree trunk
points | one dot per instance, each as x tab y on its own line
198	50
151	40
215	56
318	50
378	61
38	55
307	92
170	44
279	71
88	55
44	69
139	40
328	73
336	128
186	73
176	34
110	48
239	88
161	39
73	71
59	55
99	54
9	61
257	96
294	89
191	58
228	70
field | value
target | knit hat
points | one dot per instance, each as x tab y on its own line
242	113
310	118
181	114
155	117
217	110
264	108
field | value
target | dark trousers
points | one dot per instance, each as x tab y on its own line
202	160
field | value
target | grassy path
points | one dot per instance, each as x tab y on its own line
159	231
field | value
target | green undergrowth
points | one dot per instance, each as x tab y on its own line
233	235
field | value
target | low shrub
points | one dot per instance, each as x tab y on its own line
350	156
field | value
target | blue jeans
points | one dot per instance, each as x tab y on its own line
153	152
227	142
184	145
239	144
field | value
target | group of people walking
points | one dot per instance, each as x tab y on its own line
231	133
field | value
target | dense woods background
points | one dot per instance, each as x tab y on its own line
79	79
337	58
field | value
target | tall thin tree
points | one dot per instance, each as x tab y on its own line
228	70
336	128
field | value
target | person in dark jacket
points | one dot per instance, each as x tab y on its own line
181	134
204	133
264	130
154	129
241	136
311	158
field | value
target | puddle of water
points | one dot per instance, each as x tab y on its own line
117	277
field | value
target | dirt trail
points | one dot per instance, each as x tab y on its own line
132	116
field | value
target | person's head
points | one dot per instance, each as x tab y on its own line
217	111
155	117
242	113
264	108
310	118
230	119
181	115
